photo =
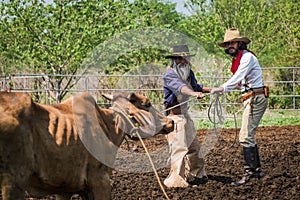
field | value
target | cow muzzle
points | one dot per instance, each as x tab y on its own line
168	127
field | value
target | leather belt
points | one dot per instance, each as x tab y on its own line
255	91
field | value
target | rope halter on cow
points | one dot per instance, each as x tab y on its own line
129	118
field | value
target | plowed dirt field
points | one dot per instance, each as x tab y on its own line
280	156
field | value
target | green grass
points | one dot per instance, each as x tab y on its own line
281	118
270	118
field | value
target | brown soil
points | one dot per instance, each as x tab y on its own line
280	156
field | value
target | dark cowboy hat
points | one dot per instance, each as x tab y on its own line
180	51
232	35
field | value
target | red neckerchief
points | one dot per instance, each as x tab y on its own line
236	61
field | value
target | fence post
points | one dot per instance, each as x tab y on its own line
47	90
86	83
4	83
57	90
294	85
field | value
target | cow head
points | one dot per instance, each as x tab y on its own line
140	115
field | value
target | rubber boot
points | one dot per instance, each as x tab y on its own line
258	172
250	166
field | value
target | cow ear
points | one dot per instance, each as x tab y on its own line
132	97
107	96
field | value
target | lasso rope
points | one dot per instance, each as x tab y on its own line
177	105
217	111
134	131
216	108
216	118
153	167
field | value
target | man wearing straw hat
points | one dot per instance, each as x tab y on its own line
247	75
187	165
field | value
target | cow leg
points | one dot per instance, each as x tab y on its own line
85	196
102	194
99	185
11	191
102	191
63	196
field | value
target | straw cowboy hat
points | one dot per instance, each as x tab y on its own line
232	35
180	51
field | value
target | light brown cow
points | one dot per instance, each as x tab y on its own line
55	149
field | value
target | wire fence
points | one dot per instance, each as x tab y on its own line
284	86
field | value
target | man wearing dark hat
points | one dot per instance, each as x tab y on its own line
247	75
187	165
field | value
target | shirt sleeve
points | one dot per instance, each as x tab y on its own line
246	63
172	81
196	87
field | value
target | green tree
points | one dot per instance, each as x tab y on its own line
54	38
273	27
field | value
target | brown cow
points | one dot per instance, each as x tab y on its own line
67	148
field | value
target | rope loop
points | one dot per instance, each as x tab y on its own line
216	107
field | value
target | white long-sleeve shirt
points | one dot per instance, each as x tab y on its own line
249	74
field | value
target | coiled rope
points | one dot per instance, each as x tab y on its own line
215	116
217	112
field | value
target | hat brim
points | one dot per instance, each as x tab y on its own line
178	56
242	39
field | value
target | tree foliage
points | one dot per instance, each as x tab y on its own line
54	38
273	27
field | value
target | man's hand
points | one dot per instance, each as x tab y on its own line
206	90
218	91
199	95
187	91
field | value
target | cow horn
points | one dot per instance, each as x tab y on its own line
131	97
107	96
